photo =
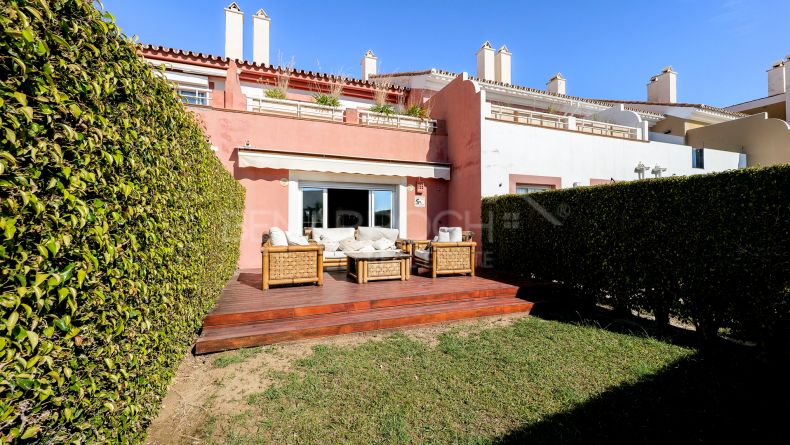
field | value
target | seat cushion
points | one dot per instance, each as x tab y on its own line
424	255
353	245
336	234
335	254
376	233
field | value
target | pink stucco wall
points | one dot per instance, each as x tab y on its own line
424	222
234	128
267	200
460	106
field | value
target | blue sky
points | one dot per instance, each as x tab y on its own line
720	49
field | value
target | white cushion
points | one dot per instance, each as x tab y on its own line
336	234
297	240
375	233
383	244
335	254
423	254
278	237
367	249
456	235
352	245
329	245
444	237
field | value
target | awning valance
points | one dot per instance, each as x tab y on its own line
258	158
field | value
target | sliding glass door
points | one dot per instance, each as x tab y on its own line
366	206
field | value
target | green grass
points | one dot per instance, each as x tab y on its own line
231	358
470	388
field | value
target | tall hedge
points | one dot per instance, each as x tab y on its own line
118	227
712	249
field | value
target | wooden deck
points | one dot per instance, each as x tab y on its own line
247	316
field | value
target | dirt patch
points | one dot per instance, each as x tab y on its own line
216	385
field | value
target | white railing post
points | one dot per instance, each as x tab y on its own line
571	123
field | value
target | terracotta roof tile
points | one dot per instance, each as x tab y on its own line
248	64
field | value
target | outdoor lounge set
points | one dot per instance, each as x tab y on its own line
367	254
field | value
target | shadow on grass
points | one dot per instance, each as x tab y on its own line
731	395
725	393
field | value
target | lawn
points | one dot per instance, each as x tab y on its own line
515	380
535	380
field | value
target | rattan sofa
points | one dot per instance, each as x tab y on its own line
445	258
291	264
338	259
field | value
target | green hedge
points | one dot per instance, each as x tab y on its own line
711	249
119	226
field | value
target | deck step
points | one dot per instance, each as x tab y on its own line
387	298
221	338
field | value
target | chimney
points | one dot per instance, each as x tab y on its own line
777	82
368	65
234	30
260	38
485	62
663	88
502	65
556	84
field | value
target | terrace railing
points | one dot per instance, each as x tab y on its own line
606	129
400	121
529	117
294	108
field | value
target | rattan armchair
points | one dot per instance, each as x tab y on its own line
291	264
445	258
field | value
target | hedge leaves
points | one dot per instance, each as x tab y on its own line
712	249
118	227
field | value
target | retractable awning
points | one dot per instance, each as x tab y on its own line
261	158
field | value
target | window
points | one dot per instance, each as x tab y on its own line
697	158
312	207
382	208
351	206
193	96
523	189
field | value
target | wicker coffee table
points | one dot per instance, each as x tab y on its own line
374	266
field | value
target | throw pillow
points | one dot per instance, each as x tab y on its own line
383	244
444	237
278	237
297	240
455	234
330	245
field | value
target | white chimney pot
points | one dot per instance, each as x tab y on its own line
663	88
485	62
260	37
369	61
502	65
777	80
556	84
234	32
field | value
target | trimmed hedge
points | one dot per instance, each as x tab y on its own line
711	249
118	225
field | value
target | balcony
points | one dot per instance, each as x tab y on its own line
571	123
294	108
398	121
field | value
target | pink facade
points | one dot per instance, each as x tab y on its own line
230	126
459	104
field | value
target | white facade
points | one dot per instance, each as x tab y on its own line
576	158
